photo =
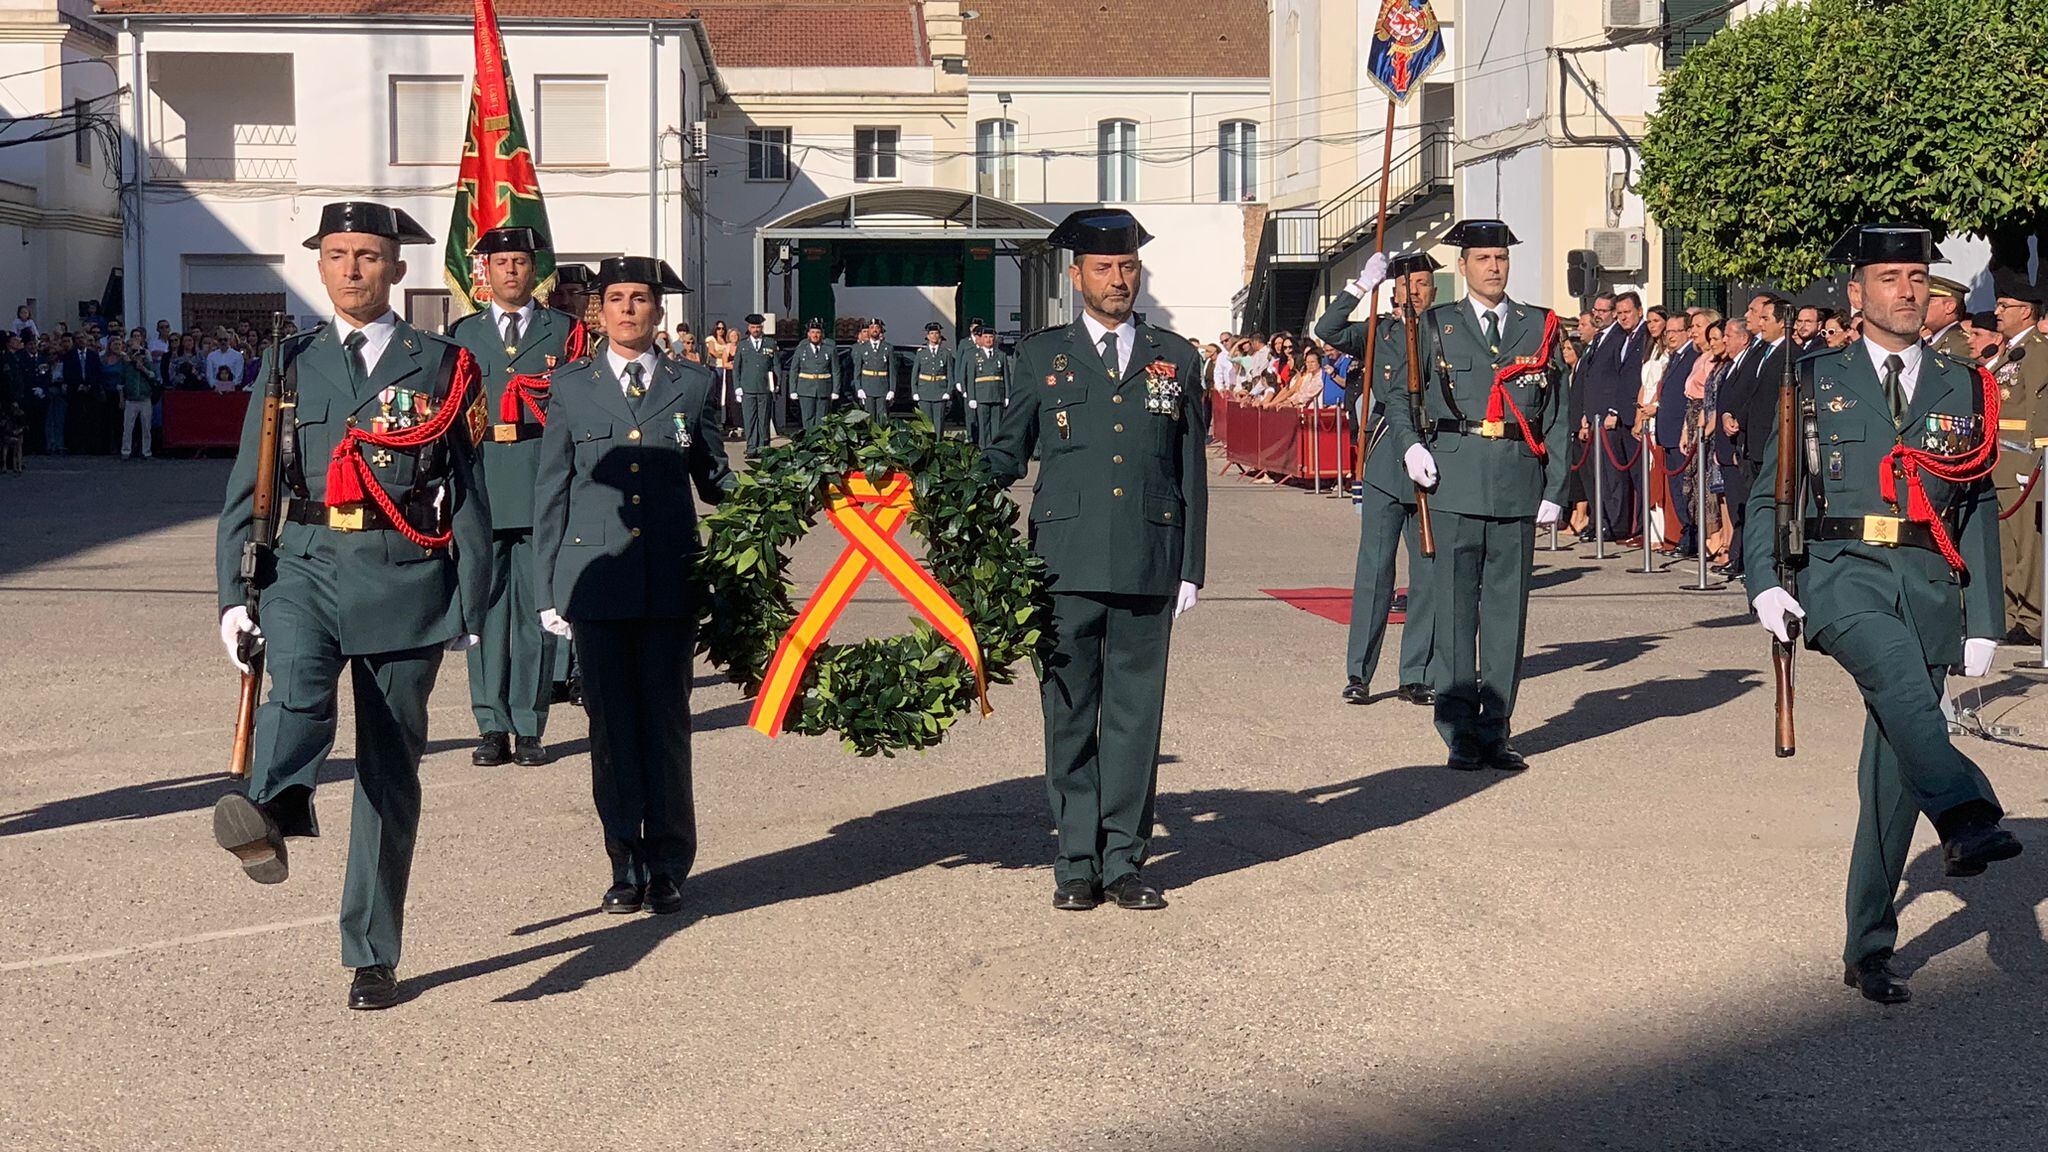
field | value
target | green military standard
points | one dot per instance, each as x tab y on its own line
1493	460
615	541
2021	372
873	371
1876	591
351	589
931	377
1120	513
984	374
1387	497
754	366
516	343
814	374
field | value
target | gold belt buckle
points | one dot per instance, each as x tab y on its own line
1493	429
1882	530
505	433
349	518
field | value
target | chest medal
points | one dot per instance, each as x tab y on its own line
1162	389
682	433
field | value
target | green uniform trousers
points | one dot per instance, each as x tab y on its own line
2019	544
811	410
1383	523
755	409
1481	570
1103	693
983	422
935	411
295	732
514	666
877	406
636	686
1909	766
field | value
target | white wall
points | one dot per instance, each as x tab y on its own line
59	233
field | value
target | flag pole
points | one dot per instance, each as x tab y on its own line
1372	316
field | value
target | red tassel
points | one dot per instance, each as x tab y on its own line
344	483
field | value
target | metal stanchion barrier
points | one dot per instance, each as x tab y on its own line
1649	567
1598	449
1699	518
1315	443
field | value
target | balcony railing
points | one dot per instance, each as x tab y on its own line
1419	171
223	169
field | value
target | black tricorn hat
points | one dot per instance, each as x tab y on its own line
2012	284
1408	263
527	240
369	218
754	318
1100	232
934	326
573	275
813	322
1481	234
648	270
1885	244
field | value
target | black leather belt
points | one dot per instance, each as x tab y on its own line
1884	531
1485	429
515	433
351	518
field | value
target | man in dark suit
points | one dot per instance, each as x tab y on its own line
76	377
1739	347
615	539
1611	392
1670	432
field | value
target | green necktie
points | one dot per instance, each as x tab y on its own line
357	371
1108	349
636	385
1492	332
1894	394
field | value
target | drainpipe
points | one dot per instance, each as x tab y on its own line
135	294
654	140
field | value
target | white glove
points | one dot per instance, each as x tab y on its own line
1374	275
1421	466
233	623
863	396
1772	606
1977	656
1186	599
1547	514
890	396
971	405
463	643
551	621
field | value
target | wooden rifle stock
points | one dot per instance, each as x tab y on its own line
257	548
1415	407
1789	503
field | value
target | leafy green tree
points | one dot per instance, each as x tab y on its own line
1791	126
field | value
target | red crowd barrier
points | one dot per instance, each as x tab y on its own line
196	420
1296	444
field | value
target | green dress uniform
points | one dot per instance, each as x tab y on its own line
874	376
1490	483
615	541
754	367
931	383
985	378
1386	506
2021	373
515	665
349	591
814	376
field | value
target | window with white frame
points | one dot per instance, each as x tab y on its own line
768	154
874	153
429	117
571	127
1116	164
995	159
1237	157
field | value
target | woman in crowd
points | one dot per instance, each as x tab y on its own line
1835	330
1706	336
1723	534
187	368
686	348
718	348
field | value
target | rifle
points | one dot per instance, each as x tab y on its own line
1789	496
1415	417
257	549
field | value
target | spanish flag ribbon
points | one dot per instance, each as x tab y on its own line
869	518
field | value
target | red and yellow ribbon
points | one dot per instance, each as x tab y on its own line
869	518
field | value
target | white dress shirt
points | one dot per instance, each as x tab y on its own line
376	336
646	360
498	315
1126	338
1909	376
1500	315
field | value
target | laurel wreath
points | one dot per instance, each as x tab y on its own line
883	695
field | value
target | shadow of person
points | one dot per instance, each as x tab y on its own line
2002	905
1591	655
143	800
1610	710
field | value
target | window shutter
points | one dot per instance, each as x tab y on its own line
572	124
429	117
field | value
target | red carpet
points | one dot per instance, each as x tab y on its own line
1330	603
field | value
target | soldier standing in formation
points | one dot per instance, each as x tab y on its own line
615	538
2021	371
873	372
1387	496
815	368
1502	475
1945	312
515	343
378	583
985	381
1896	600
931	377
1120	513
754	365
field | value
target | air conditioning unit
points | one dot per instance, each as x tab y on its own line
1630	15
1619	249
700	140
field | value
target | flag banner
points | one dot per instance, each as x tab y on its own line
1406	43
496	186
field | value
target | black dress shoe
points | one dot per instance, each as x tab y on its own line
373	988
245	829
1076	896
1975	846
528	753
1873	976
622	898
663	897
1416	694
1132	892
1355	692
1504	759
493	749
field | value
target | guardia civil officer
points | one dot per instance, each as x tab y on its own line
754	365
1493	460
1946	307
615	537
814	366
1120	513
2021	371
1387	497
931	377
1895	599
985	380
874	371
516	342
378	583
